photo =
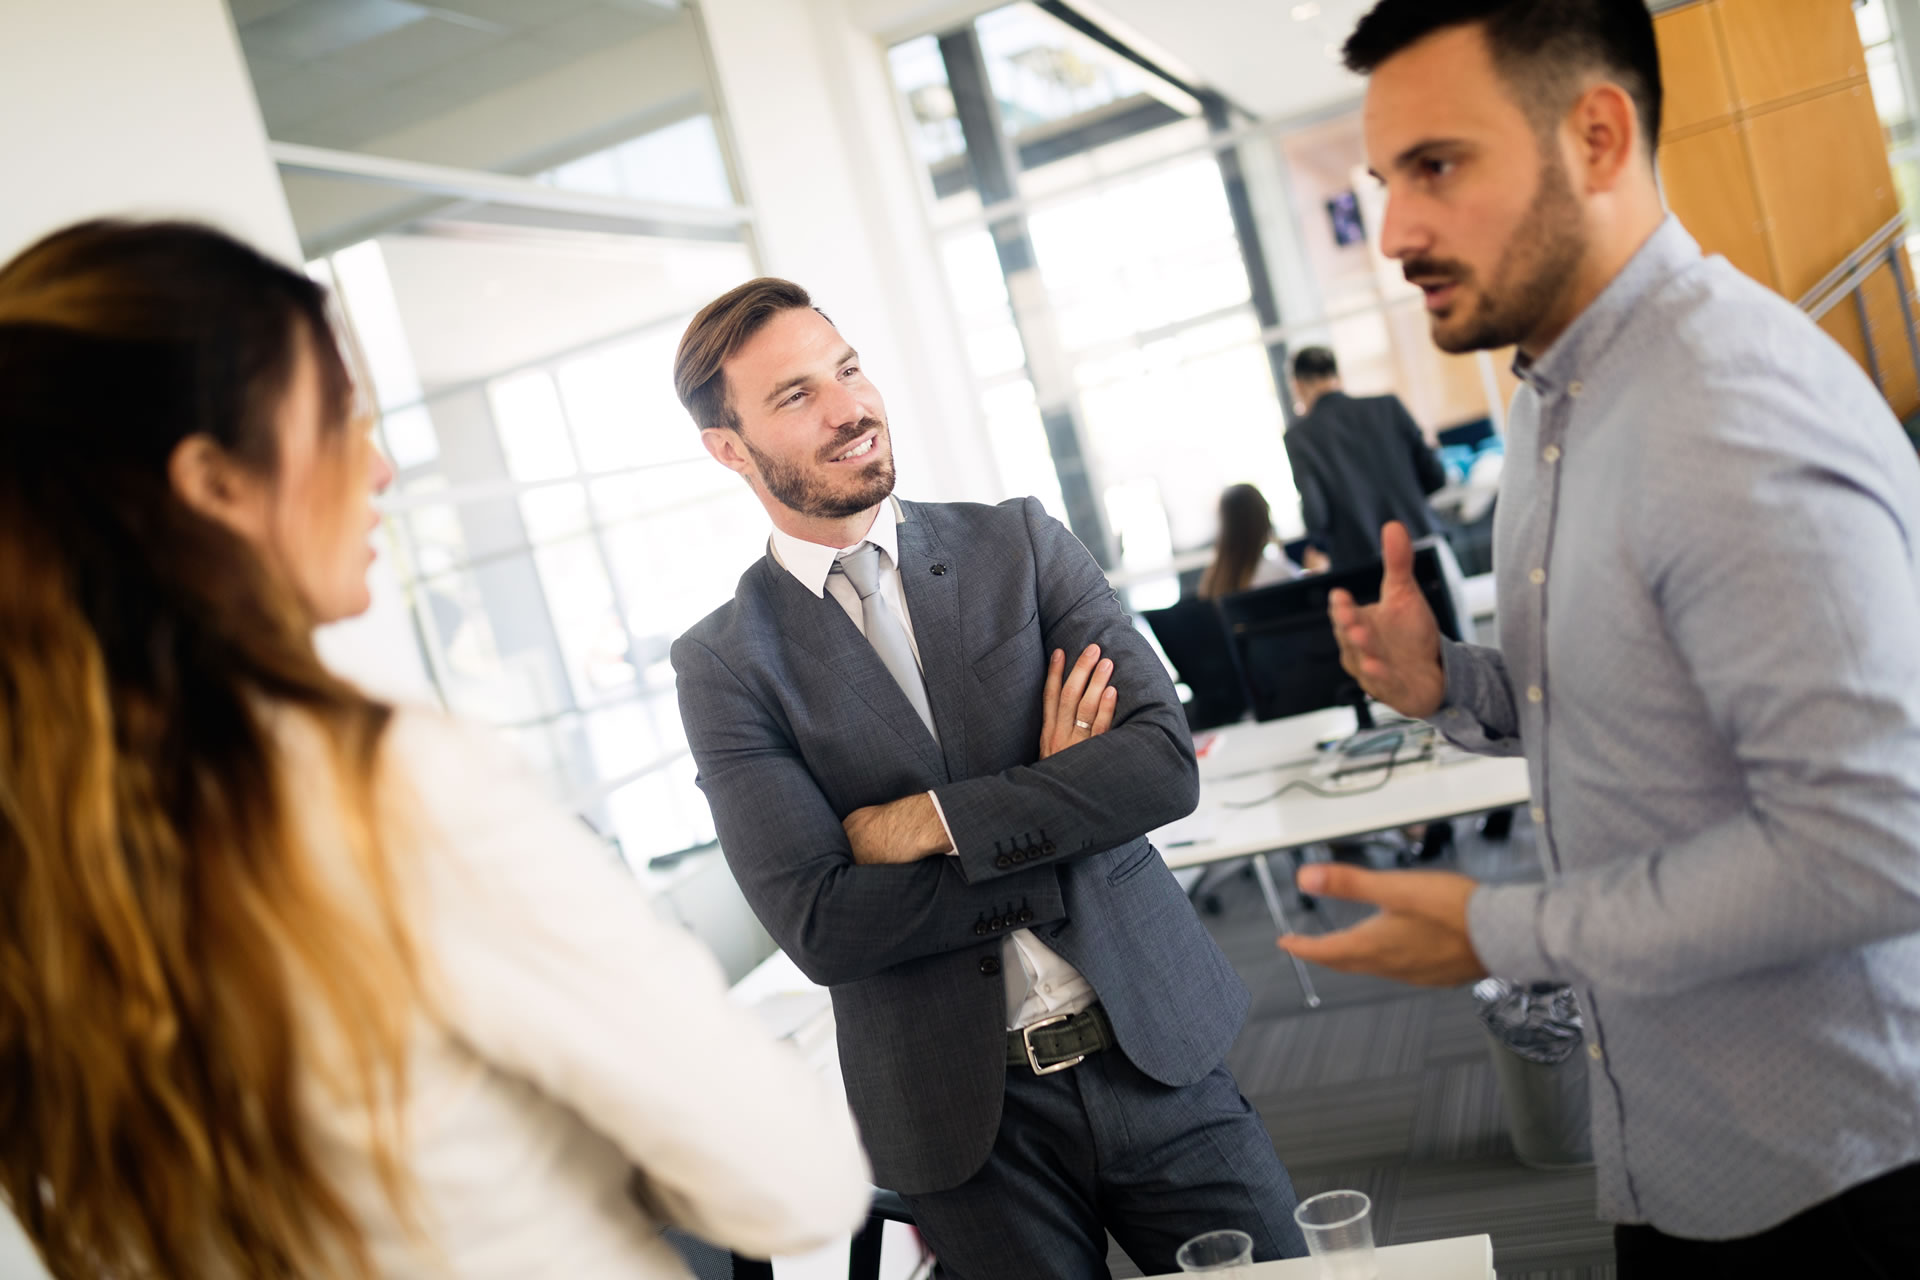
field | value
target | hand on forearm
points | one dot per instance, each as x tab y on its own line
1075	705
905	830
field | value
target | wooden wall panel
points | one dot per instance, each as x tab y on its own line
1777	49
1824	184
1693	69
1708	179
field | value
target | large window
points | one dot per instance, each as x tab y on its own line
1103	243
555	521
1105	303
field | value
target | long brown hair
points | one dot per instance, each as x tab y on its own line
159	922
1246	526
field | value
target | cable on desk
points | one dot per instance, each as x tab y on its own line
1302	784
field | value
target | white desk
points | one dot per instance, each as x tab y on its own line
1245	762
1244	814
1461	1258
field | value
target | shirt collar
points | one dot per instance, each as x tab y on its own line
1667	251
810	563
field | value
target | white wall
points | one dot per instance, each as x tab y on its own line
837	206
131	106
144	108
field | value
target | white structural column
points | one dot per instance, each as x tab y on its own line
132	107
837	207
144	109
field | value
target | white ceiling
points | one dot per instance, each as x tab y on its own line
336	73
1276	58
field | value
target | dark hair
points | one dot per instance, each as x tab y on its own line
161	924
724	326
1246	525
1540	46
1311	364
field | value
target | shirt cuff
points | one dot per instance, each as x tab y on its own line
1459	717
1503	923
953	846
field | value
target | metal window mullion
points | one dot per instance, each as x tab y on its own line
990	160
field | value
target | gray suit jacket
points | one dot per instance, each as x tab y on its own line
795	723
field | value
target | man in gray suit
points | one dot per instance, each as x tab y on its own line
925	813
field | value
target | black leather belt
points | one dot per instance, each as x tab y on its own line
1056	1043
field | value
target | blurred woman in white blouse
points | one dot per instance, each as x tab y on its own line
294	983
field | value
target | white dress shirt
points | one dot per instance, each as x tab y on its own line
574	1038
1040	984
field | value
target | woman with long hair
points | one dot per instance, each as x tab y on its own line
1240	558
294	983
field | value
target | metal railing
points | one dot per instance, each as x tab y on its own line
1881	250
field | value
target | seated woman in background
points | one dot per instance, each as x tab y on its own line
1245	554
293	983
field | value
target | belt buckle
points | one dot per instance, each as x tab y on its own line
1033	1059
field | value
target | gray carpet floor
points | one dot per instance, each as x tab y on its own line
1389	1089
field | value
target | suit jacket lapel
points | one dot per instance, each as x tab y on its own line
930	580
822	628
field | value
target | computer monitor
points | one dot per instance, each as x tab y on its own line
1288	659
1192	636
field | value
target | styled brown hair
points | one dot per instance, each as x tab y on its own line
1246	526
724	326
1542	47
163	934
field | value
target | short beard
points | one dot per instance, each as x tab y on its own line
804	492
1532	274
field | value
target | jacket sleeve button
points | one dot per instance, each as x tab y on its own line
1003	862
1048	849
979	928
1024	916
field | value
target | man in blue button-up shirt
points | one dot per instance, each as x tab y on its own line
1709	603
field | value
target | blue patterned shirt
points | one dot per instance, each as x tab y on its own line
1709	604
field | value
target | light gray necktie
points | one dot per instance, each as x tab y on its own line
885	632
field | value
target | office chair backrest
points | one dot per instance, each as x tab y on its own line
1195	641
1281	638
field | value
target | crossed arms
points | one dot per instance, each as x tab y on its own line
842	918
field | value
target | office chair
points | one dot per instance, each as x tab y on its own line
1195	641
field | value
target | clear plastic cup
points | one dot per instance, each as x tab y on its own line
1338	1226
1218	1253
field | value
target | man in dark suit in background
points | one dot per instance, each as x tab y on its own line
1031	1019
1358	463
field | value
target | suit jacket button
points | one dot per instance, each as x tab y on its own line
1048	849
979	928
1018	855
1024	916
990	966
999	923
1003	862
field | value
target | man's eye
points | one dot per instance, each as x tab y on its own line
1436	168
850	369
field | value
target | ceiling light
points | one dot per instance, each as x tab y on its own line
1302	12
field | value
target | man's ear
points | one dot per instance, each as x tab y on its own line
1607	134
728	449
208	480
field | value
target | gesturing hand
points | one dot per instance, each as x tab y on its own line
1392	648
1419	934
1075	705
